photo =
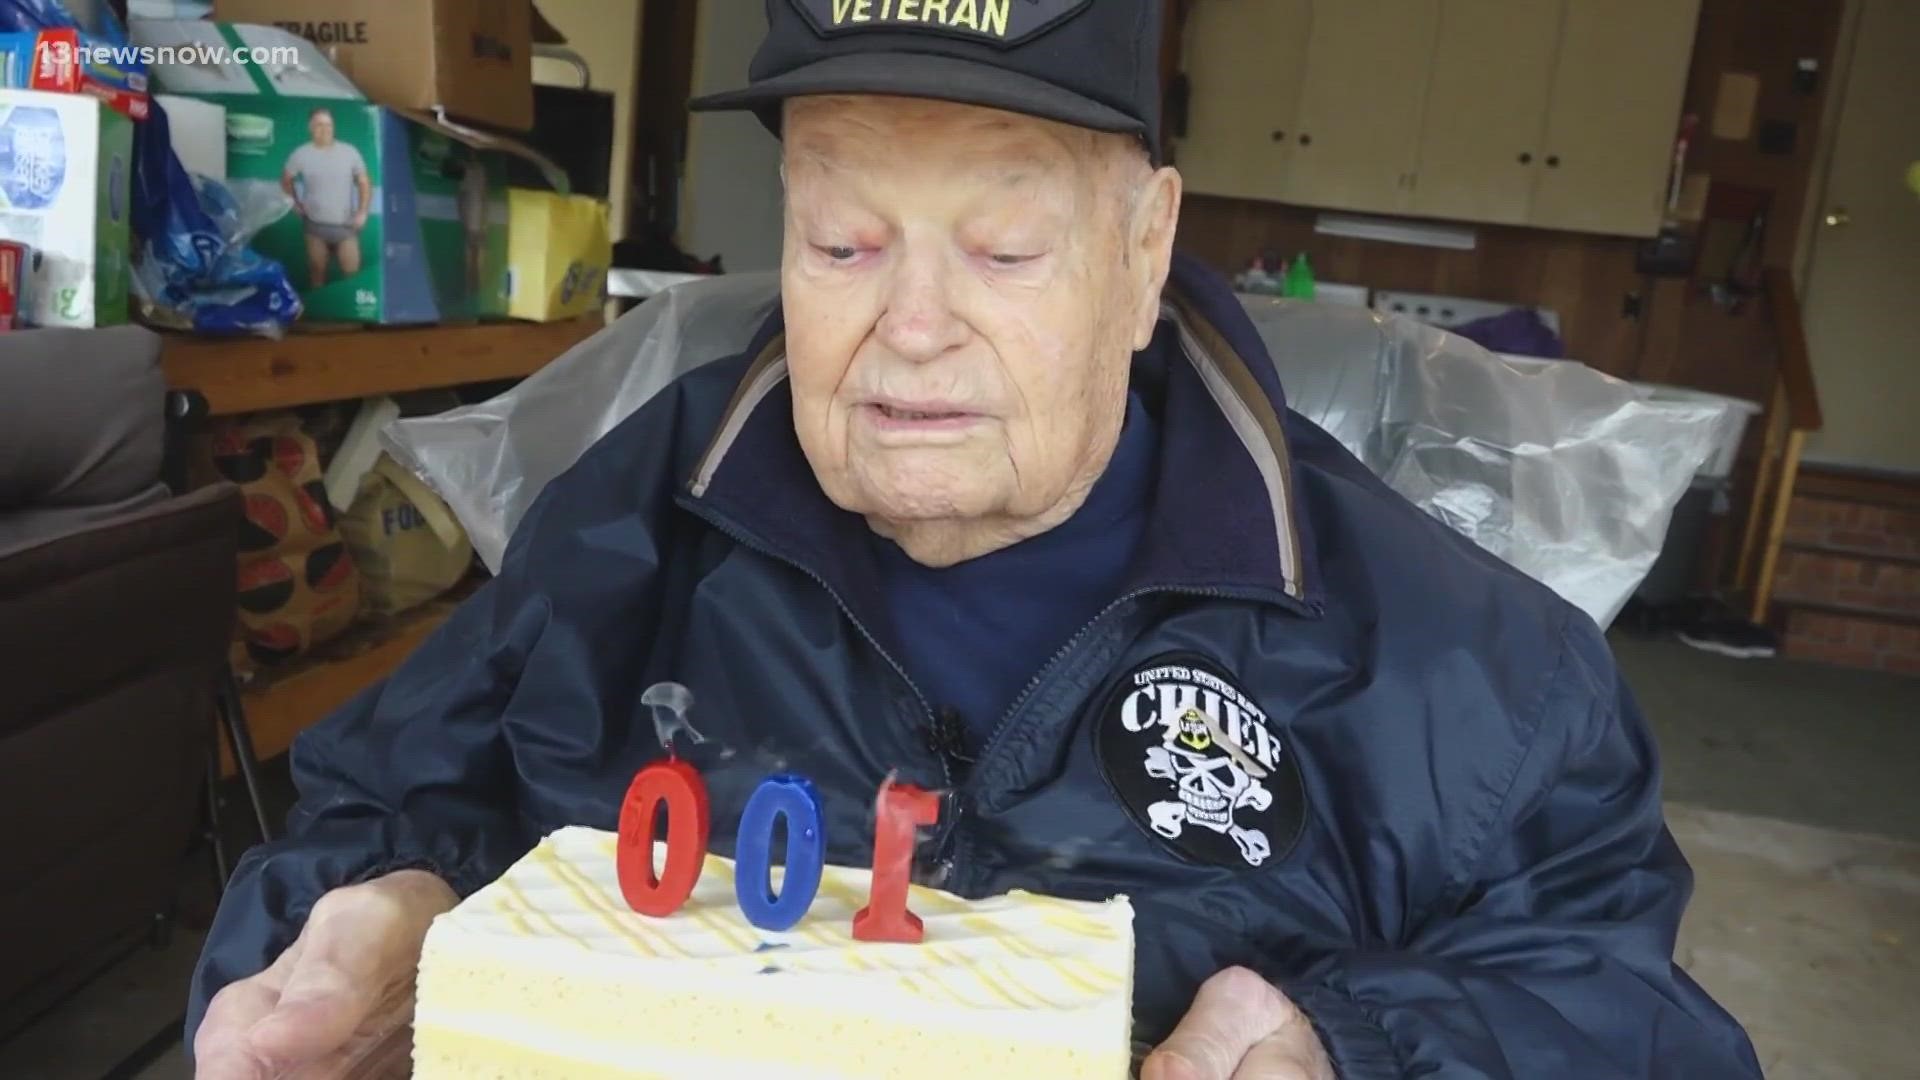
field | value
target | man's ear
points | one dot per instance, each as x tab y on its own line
1156	217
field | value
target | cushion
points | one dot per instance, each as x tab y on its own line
82	417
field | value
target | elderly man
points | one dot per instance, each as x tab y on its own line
1006	501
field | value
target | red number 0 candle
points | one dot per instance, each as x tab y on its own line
689	823
902	808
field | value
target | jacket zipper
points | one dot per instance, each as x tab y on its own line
949	835
950	820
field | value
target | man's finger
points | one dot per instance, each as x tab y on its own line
1232	1013
234	1064
221	1046
1279	1057
318	1011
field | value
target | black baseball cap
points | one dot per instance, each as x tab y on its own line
1090	63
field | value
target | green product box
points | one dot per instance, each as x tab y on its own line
393	222
66	167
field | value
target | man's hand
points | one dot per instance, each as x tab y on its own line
1240	1028
360	944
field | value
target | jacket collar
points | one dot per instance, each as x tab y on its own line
1225	517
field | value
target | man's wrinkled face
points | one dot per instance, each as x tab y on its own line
959	307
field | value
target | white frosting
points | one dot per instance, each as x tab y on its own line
526	959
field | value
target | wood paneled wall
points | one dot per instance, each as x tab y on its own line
1691	340
1588	280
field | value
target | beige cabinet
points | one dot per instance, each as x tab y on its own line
1358	142
1618	82
1552	113
1245	65
1480	146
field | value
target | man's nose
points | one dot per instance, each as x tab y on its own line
920	323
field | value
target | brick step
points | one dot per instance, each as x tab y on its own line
1821	522
1849	579
1845	637
1895	558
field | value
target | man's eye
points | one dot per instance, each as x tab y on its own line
837	252
1012	260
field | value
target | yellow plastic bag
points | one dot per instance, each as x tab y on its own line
558	251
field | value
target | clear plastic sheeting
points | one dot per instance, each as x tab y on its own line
1568	474
490	460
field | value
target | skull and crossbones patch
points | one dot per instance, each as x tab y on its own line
1198	764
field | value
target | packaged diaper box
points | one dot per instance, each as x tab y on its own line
393	220
66	166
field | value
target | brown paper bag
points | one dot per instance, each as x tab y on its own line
405	542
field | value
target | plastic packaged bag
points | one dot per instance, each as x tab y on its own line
193	269
1564	472
94	17
297	584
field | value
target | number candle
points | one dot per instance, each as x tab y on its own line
792	798
689	823
901	808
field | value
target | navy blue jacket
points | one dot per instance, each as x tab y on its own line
1317	734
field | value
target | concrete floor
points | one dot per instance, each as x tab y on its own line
1792	788
1822	746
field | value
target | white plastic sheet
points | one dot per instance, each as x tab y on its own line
491	459
1566	473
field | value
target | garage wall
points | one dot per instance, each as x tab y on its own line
606	33
731	201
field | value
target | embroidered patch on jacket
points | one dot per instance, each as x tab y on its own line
995	22
1199	764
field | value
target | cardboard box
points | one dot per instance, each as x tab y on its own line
66	166
472	58
558	252
394	222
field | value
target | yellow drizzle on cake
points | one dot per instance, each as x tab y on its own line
546	972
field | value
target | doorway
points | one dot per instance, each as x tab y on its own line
1862	286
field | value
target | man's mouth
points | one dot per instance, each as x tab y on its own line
909	418
895	413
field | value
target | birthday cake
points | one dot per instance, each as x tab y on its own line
548	973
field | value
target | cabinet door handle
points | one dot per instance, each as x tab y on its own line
1526	159
1279	136
1306	140
1553	161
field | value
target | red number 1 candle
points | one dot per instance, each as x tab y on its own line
689	824
902	808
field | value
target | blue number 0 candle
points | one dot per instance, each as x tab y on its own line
793	798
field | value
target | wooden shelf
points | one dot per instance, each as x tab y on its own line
241	375
282	702
322	364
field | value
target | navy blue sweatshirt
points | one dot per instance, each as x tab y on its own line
974	634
